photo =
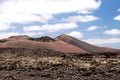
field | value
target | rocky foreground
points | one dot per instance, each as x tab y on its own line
36	64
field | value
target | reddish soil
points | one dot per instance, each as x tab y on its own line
62	43
85	46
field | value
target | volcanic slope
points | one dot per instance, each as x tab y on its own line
63	43
39	43
85	46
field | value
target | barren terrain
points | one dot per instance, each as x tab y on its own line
36	64
61	58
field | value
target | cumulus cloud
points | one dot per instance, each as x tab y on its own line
75	34
103	41
4	26
42	11
31	33
117	18
24	11
91	28
51	27
8	34
24	18
49	6
112	32
79	18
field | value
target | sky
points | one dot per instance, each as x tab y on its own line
93	21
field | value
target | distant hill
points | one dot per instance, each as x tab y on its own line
85	46
62	43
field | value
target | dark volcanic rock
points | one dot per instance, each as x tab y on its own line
2	41
43	39
36	64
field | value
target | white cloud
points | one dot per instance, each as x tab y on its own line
49	6
91	28
75	34
103	41
79	18
30	11
4	26
7	34
117	18
27	11
24	18
31	33
112	32
51	27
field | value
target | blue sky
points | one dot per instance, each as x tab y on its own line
93	21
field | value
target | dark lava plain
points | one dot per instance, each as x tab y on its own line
36	64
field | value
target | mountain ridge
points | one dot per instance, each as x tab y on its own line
84	45
62	43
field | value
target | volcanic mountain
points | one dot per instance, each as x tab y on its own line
85	46
62	43
39	43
